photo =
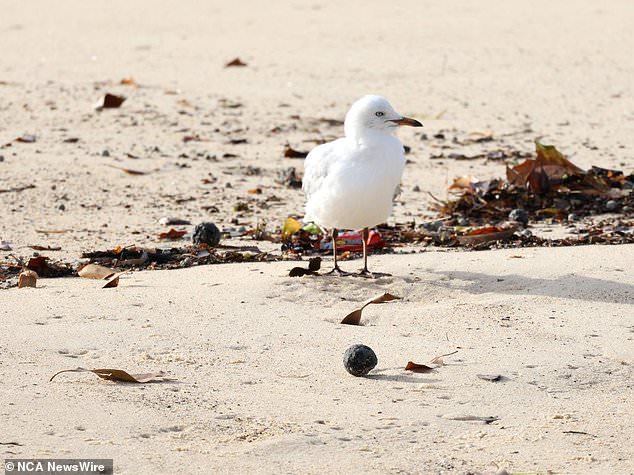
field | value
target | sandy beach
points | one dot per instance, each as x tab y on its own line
255	357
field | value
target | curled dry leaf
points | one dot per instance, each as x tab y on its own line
129	171
26	138
486	234
354	317
172	234
113	281
111	101
118	375
128	82
290	152
95	271
490	377
314	265
27	278
235	62
420	368
36	247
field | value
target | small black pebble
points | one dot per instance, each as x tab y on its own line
519	215
359	360
206	233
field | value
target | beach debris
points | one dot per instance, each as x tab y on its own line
129	171
420	368
95	271
359	360
110	101
289	177
16	189
166	221
236	62
172	234
27	278
314	264
26	138
129	81
37	247
352	241
490	377
470	418
486	234
118	375
290	152
44	268
71	140
113	281
354	317
206	233
545	187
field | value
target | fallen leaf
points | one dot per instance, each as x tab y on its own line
111	101
490	377
172	234
118	375
235	62
113	281
471	418
95	271
354	317
419	368
128	82
27	138
27	278
314	264
51	231
16	189
45	248
486	234
129	171
255	191
290	152
44	268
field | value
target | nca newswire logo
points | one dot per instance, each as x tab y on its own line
58	466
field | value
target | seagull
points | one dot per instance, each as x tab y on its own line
351	182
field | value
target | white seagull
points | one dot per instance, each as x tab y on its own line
350	183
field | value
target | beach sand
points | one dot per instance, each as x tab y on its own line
259	385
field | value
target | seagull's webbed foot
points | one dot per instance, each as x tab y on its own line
337	270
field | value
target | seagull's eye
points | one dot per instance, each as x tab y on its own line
379	114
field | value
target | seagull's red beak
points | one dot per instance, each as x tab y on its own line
407	121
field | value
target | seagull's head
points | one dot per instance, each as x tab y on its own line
374	113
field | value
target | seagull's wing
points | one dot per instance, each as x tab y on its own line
318	164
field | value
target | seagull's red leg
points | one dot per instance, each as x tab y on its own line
365	234
336	269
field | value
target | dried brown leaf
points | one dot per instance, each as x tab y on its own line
354	317
235	62
111	101
118	375
113	281
419	368
290	152
95	271
27	278
172	234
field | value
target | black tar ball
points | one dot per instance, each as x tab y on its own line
359	360
206	233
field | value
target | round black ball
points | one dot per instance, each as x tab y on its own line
206	233
359	360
